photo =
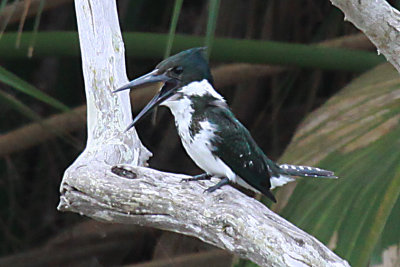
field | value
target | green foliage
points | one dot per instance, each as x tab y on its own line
24	87
245	263
172	28
356	134
17	105
151	45
211	23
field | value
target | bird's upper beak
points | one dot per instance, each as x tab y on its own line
165	92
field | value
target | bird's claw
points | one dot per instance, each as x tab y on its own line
199	177
210	189
221	183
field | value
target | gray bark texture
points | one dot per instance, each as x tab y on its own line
107	182
379	21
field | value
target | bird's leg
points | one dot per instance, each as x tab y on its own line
221	183
199	177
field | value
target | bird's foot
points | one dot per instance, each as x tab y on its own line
221	183
203	176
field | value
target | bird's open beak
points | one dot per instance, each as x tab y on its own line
165	92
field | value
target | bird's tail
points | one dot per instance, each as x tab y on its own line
305	171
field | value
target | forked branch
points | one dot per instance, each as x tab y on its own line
130	194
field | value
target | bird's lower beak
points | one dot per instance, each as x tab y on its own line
165	92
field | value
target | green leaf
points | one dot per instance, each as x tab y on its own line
26	111
22	86
170	41
245	263
172	27
211	23
17	105
357	135
149	45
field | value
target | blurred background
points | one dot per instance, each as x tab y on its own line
318	94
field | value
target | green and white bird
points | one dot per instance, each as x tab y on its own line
215	140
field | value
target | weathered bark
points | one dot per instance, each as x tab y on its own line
227	218
136	195
379	21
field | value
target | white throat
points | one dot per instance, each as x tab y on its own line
197	88
200	89
181	104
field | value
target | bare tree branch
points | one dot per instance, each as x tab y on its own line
227	218
137	195
379	21
58	125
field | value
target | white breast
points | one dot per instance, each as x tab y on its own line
199	146
199	149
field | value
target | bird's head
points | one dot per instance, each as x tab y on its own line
174	73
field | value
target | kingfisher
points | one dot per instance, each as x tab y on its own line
210	133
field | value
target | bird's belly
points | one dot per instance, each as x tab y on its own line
200	152
199	148
202	156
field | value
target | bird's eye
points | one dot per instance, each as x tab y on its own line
177	70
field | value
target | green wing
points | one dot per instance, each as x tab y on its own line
237	149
